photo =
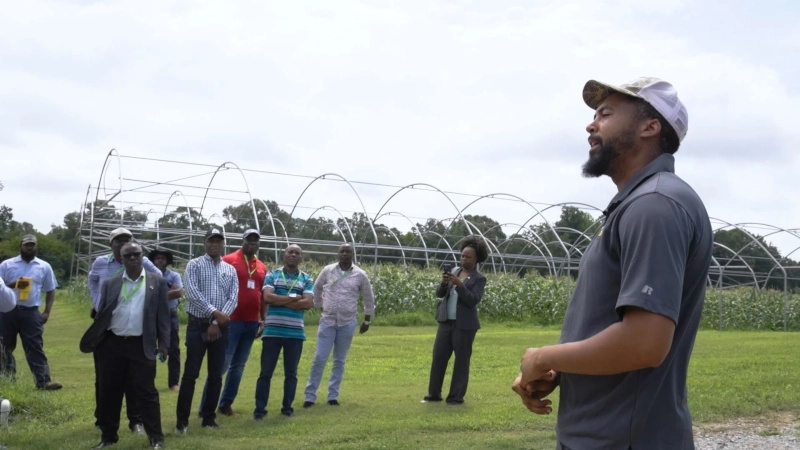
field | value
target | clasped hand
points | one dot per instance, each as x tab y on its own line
534	383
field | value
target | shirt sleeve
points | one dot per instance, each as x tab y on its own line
191	279
269	282
7	298
49	283
149	266
318	288
655	234
94	282
233	294
308	288
367	295
177	280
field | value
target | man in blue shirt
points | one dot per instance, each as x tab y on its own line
288	292
104	267
162	258
29	276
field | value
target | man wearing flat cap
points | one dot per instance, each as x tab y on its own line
28	276
161	259
631	324
104	267
247	320
212	290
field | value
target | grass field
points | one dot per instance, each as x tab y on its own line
732	374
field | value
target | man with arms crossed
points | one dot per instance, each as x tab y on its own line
630	327
287	295
336	292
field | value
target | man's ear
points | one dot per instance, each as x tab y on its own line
650	128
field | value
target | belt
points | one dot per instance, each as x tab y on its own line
203	320
27	307
111	334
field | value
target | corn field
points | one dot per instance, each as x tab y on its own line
541	301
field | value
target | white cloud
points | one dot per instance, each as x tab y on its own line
475	97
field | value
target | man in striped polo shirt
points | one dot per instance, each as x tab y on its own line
288	292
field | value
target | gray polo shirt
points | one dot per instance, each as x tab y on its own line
653	252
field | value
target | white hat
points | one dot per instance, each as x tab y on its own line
658	93
119	232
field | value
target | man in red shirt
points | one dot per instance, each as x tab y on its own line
247	320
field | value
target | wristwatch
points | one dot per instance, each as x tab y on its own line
214	322
366	322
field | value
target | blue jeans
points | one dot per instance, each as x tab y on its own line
240	341
270	351
338	338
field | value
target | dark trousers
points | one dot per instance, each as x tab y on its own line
131	408
174	363
27	322
196	350
270	352
123	367
449	340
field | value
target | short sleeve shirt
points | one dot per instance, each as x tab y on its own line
652	252
41	274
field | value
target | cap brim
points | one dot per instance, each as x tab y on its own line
215	235
595	92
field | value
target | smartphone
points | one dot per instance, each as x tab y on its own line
447	268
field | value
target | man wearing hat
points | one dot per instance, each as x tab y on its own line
161	259
247	320
631	324
212	290
104	267
28	276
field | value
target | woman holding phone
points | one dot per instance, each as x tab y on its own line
460	292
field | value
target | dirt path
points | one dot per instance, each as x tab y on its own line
773	431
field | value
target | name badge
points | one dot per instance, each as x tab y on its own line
293	294
251	284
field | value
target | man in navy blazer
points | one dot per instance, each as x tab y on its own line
131	327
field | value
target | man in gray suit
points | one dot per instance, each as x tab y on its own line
131	326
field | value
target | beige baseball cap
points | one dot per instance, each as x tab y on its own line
119	232
658	93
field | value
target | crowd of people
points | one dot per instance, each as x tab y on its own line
621	363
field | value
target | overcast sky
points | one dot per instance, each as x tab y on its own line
476	97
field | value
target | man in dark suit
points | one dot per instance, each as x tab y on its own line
132	325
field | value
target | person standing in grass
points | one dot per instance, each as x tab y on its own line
212	291
104	267
27	272
130	328
336	292
461	290
161	259
287	294
630	326
246	321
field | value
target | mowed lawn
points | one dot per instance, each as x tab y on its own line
732	374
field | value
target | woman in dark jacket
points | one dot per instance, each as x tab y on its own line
460	292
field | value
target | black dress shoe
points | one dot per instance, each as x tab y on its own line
428	399
308	404
104	444
157	444
333	402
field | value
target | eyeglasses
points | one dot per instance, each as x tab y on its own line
136	255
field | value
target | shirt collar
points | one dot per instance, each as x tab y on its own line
18	258
663	163
126	277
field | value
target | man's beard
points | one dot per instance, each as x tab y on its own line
599	163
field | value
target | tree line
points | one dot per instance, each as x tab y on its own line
526	249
